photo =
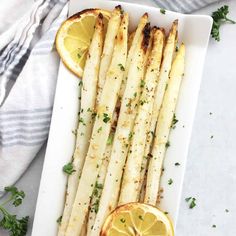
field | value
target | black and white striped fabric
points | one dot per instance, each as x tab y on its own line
28	73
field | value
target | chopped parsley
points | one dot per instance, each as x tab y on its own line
191	201
93	115
153	134
162	11
131	134
219	17
174	122
74	132
59	220
142	84
106	117
110	139
97	191
140	217
95	206
177	164
81	120
167	144
170	181
142	102
122	220
68	168
213	226
80	83
98	186
99	130
121	67
78	55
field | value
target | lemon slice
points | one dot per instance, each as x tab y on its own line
74	37
137	219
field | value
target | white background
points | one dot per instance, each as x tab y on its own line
211	167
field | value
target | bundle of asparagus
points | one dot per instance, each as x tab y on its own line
130	88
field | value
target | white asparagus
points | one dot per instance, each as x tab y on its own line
143	21
85	124
163	127
131	177
94	205
160	90
149	137
124	128
132	46
100	132
164	73
112	29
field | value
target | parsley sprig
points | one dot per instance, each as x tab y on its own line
9	222
220	17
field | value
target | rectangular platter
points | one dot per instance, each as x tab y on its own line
194	31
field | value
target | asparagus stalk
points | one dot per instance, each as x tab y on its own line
112	29
124	128
100	132
164	126
85	125
131	176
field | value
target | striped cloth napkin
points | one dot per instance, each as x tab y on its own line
28	75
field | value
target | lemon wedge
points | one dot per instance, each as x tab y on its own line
137	219
74	36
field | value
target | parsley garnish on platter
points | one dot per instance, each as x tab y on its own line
106	117
9	222
68	168
121	67
162	11
220	17
167	144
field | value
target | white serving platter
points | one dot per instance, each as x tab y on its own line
194	31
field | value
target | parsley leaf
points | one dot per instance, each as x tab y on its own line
162	11
167	144
106	117
191	201
59	220
121	67
142	84
16	196
219	17
68	168
174	122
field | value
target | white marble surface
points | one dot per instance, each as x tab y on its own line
211	168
